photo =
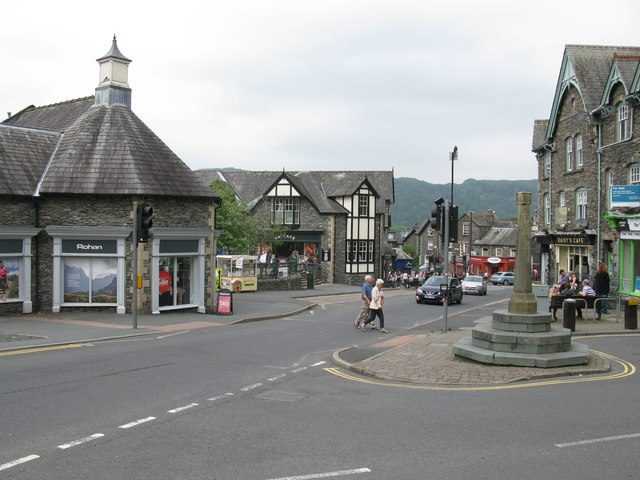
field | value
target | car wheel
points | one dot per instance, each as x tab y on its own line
505	283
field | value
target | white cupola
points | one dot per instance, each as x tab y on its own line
113	85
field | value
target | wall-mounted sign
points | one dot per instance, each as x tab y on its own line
90	247
574	239
625	196
494	260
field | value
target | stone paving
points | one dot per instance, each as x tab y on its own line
428	359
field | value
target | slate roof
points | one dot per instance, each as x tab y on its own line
500	236
24	154
591	64
107	150
539	130
319	187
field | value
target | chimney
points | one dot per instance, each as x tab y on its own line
113	87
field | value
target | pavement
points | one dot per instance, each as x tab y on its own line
416	355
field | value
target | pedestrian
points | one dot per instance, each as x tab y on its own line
365	295
375	308
602	284
564	277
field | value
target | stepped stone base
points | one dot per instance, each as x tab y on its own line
557	339
578	354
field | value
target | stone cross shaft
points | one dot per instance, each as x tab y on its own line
522	298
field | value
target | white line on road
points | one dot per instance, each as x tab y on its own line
273	379
19	461
80	441
137	422
318	364
172	334
598	440
213	399
298	369
325	475
185	407
250	387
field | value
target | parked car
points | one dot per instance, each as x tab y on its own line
505	278
474	284
431	292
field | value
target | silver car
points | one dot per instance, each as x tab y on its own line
505	278
474	285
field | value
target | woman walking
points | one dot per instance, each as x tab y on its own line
375	307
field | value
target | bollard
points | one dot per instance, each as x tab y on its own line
631	314
569	314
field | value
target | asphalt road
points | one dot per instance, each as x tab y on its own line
253	401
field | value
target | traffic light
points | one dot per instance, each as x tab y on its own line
437	217
143	218
453	223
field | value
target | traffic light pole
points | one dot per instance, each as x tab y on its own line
134	280
445	248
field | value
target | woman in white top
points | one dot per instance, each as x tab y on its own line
375	307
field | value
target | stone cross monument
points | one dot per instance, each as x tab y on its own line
521	335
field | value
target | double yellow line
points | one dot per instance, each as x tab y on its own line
628	369
39	349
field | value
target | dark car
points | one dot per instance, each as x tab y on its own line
431	291
474	284
505	278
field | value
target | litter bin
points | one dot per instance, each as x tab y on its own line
310	281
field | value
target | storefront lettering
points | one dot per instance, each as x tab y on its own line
88	246
572	240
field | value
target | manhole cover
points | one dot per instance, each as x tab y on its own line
281	396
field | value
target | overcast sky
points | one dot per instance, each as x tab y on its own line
319	85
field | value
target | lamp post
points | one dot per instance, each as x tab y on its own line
453	156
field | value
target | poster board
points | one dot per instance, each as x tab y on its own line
225	302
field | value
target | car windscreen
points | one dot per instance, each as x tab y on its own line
434	281
473	279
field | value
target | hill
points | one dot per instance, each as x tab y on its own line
414	198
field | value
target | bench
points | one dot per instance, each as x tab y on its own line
588	303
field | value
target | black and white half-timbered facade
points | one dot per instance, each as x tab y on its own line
337	221
71	174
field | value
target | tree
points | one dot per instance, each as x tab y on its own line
410	250
240	232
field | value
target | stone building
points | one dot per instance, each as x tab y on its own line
337	220
589	167
71	176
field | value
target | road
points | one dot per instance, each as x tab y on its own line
253	401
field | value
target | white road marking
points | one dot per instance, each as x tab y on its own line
80	441
19	461
185	407
326	474
273	379
598	440
298	369
213	399
137	422
250	387
172	334
318	364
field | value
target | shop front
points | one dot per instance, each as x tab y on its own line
15	266
487	266
178	270
571	252
88	267
629	255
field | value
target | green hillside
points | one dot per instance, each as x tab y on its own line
414	198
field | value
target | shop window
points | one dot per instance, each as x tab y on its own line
15	266
465	228
175	281
90	280
285	211
10	272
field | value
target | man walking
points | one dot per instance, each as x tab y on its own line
367	287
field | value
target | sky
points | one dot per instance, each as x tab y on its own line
310	85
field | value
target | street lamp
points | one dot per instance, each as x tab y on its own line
453	156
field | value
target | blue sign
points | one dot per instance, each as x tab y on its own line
625	196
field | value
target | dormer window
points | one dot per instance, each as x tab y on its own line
624	122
